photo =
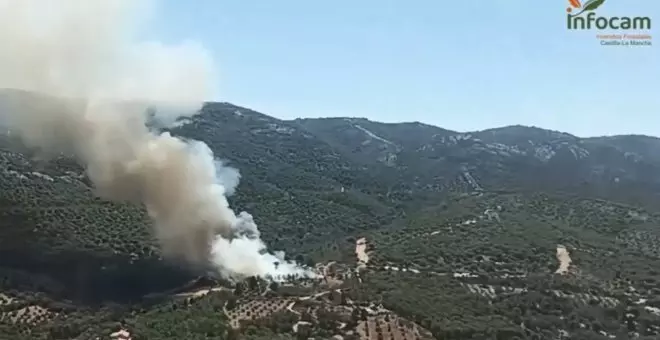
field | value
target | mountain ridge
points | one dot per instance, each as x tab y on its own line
387	212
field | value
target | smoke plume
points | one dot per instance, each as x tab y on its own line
82	85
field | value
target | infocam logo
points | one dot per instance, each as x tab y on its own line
590	20
584	17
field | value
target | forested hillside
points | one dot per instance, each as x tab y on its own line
419	232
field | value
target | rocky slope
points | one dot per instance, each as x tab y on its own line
458	235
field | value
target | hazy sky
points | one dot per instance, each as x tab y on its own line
462	65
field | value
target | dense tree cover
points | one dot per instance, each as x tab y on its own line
491	206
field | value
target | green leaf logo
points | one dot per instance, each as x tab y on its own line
592	5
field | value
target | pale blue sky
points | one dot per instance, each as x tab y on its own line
462	65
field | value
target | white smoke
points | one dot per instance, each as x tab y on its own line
87	85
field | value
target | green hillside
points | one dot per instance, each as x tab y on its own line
462	234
